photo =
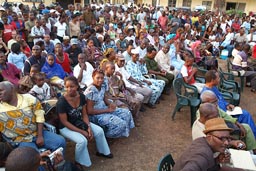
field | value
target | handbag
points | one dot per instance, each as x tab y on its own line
81	125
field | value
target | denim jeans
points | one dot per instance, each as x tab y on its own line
81	151
52	142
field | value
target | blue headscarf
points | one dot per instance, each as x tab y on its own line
170	36
53	70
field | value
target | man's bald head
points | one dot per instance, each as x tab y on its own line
208	96
7	91
208	111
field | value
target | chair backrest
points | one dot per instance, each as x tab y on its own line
177	86
166	163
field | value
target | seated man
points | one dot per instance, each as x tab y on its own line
212	79
188	72
200	154
9	71
83	71
22	118
132	83
209	111
163	60
246	133
154	68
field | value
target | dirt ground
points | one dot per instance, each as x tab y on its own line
157	136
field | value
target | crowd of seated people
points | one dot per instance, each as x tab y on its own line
102	65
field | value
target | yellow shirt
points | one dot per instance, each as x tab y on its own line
19	123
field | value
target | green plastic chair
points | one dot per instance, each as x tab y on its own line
166	163
187	95
234	74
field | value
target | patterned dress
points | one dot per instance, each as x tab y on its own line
136	70
115	124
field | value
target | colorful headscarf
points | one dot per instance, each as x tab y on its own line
108	51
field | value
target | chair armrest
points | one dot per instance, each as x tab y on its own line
191	87
50	127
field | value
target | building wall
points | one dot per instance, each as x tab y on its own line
46	2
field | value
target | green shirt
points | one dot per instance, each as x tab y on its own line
222	114
151	64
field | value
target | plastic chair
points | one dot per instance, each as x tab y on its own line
228	84
166	163
234	74
187	95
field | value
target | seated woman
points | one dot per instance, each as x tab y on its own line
116	122
54	72
75	125
62	58
110	56
94	54
108	43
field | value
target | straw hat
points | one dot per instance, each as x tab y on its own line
216	124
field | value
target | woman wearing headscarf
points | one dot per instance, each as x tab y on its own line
54	72
110	56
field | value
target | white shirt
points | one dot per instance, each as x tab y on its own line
43	93
197	130
87	74
61	29
125	75
35	31
142	52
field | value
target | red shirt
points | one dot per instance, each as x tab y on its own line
190	69
65	63
7	33
11	73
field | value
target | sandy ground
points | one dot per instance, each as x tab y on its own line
157	136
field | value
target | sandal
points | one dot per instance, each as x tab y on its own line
253	90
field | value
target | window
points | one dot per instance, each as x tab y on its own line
240	6
33	1
172	3
186	3
207	4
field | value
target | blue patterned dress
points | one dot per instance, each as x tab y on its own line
115	124
136	70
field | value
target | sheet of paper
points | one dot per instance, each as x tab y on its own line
236	111
242	159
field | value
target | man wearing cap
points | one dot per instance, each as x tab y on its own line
74	51
66	43
212	80
246	133
130	82
137	71
209	111
206	153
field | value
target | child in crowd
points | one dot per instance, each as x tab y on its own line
41	90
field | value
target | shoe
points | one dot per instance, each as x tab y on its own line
109	156
79	166
151	106
253	90
142	109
